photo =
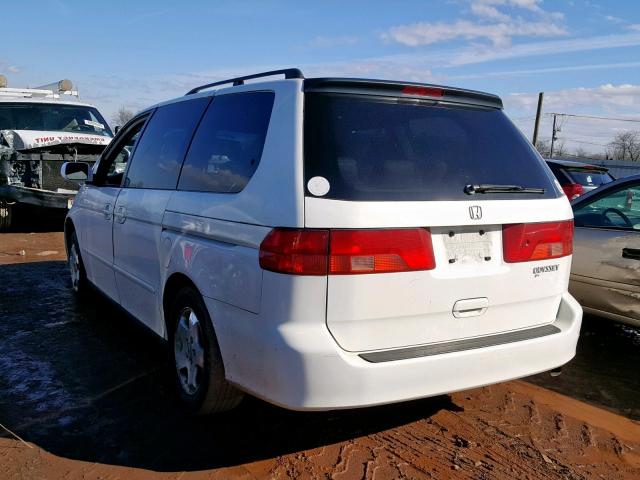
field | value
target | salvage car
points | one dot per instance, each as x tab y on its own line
577	178
330	243
605	275
40	129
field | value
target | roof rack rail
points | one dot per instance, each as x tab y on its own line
287	72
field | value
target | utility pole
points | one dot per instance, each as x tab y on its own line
539	111
553	136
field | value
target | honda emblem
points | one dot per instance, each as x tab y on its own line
475	212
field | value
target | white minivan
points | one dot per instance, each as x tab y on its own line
330	243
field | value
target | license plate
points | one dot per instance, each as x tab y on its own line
467	247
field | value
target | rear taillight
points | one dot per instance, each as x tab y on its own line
380	251
346	252
301	252
573	190
524	242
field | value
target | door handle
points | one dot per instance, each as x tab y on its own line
632	253
107	210
470	307
120	214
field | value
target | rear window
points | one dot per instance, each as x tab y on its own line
371	148
589	178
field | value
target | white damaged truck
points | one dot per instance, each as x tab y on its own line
40	129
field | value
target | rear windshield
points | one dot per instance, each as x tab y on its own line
589	178
373	148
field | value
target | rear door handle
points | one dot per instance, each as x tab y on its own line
632	253
107	211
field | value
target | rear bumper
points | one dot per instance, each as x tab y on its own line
299	366
36	197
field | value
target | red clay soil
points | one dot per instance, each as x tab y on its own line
505	431
31	247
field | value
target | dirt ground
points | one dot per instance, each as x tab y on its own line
86	390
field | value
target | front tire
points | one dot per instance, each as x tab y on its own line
198	368
79	281
6	215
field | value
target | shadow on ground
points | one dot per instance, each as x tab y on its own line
82	381
28	219
604	371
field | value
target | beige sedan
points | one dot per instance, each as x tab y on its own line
605	275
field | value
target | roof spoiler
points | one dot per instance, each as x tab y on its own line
393	88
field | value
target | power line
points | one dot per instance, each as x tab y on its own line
582	141
596	118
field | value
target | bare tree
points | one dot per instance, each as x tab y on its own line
559	149
543	147
625	146
122	116
581	153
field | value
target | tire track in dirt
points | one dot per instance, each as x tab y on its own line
499	433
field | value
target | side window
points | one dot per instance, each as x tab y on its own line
619	209
227	147
111	168
160	151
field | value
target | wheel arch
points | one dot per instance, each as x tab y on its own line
69	228
175	282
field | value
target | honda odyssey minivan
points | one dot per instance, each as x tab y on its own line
330	243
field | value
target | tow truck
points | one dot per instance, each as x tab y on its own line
40	129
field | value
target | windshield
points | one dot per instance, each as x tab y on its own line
374	148
52	117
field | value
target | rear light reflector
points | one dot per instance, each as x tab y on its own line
525	242
346	252
379	251
423	91
573	190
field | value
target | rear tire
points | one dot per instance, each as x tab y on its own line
79	281
6	215
198	369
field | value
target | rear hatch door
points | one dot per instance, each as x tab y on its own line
378	162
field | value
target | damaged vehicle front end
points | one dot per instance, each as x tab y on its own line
38	133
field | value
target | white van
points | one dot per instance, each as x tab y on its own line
330	243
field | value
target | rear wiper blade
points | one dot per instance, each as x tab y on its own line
488	188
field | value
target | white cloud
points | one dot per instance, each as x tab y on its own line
499	34
613	19
488	11
494	25
552	47
635	27
6	67
612	98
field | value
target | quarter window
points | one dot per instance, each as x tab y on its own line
160	151
227	147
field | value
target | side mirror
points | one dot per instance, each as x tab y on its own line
79	172
116	129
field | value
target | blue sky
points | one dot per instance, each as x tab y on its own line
585	55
